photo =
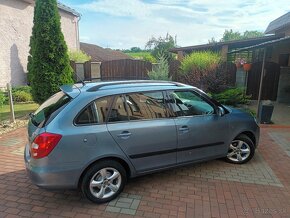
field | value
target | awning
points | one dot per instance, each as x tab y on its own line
262	45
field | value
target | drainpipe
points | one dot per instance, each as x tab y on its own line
77	20
261	85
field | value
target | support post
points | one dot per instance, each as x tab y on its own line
261	85
12	115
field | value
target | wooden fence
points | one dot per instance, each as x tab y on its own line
125	69
112	70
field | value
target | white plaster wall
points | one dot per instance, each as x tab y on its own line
16	21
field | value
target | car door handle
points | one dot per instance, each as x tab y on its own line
184	129
124	135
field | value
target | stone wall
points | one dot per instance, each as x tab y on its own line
16	21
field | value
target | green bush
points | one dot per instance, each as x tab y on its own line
161	72
3	98
26	89
22	96
200	61
232	97
78	56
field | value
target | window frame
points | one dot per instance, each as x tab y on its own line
200	94
91	104
95	114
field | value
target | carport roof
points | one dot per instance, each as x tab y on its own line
262	45
232	44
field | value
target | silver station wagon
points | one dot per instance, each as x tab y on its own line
95	136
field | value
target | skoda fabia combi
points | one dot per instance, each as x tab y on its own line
96	136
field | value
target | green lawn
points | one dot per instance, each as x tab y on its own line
21	110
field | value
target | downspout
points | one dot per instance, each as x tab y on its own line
77	31
261	85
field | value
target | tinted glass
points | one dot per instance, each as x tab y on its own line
187	103
103	107
86	116
146	106
50	108
118	111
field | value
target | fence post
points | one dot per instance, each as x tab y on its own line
12	115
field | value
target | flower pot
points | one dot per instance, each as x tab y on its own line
247	67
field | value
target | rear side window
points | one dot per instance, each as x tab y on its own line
149	105
49	109
96	112
86	116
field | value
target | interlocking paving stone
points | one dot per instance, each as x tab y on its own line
257	171
282	139
126	204
12	142
18	151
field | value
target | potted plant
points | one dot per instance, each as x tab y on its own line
247	66
239	62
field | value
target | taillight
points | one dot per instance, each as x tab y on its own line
43	144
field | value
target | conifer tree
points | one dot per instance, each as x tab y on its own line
48	61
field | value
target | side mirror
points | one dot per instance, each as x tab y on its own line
221	111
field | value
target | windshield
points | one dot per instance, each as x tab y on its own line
49	109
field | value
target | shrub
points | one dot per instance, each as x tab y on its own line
202	61
78	56
161	72
232	97
21	96
48	61
26	89
3	98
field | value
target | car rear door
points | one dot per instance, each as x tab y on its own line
140	124
201	132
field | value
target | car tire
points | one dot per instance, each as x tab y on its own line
104	181
241	150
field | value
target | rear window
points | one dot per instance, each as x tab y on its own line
49	109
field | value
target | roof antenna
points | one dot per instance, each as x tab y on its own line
79	79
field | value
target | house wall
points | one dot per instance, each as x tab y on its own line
280	49
16	21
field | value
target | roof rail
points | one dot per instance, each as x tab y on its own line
97	87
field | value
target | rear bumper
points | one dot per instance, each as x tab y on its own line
45	177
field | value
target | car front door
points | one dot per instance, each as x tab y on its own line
201	132
140	124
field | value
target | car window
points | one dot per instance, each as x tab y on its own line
188	103
96	112
103	107
118	111
149	105
86	116
50	108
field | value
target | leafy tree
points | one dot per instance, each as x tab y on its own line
253	34
48	61
161	71
161	46
135	49
230	35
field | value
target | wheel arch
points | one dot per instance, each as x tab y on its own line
117	159
250	135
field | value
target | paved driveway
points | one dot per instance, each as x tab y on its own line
212	189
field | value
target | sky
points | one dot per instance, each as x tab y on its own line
122	24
